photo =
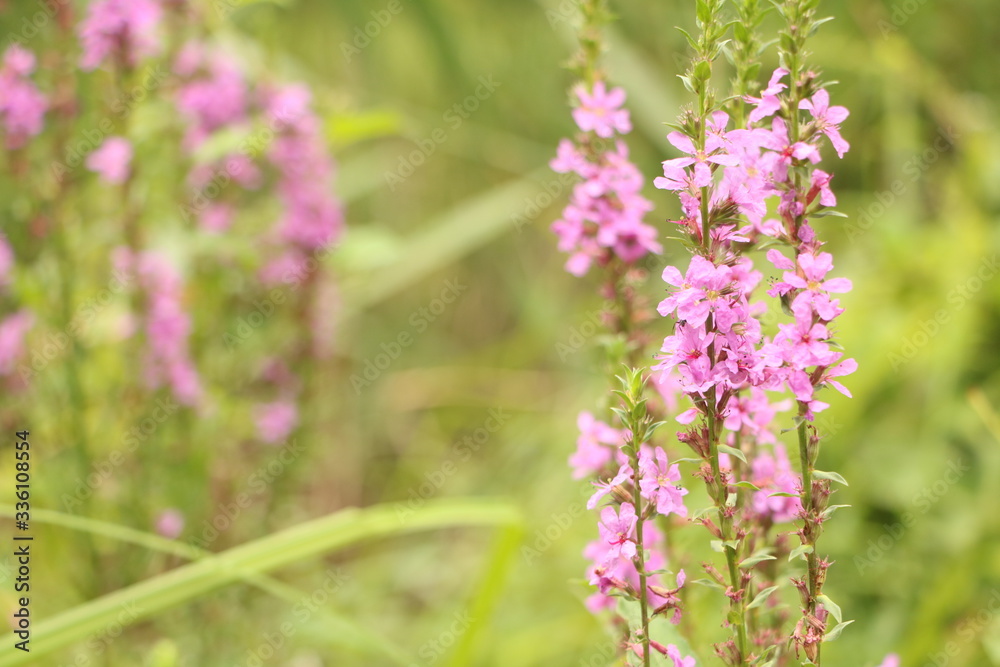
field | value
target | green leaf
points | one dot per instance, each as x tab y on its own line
762	597
831	607
292	545
758	557
732	451
833	634
747	485
830	510
783	494
832	476
800	552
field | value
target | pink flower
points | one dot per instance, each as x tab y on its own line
13	329
828	119
125	29
768	103
659	483
617	530
702	292
774	474
595	447
6	261
313	217
167	325
170	523
214	97
600	112
111	160
217	217
276	420
891	660
713	153
674	654
604	488
22	106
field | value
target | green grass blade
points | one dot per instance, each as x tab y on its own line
344	632
298	543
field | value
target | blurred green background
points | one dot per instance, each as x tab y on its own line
918	554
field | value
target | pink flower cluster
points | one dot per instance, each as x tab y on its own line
13	328
111	161
123	30
313	217
604	218
167	325
22	106
717	348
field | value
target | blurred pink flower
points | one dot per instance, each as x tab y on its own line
170	523
276	420
600	111
22	106
12	332
119	28
111	161
6	261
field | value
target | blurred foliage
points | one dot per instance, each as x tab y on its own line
917	557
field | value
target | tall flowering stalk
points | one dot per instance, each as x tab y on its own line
725	182
747	181
603	227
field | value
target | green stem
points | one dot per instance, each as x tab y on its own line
640	553
737	606
806	464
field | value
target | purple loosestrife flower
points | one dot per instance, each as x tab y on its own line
13	330
617	530
22	106
773	474
828	119
891	660
275	421
167	325
111	160
600	112
604	216
313	217
596	446
660	483
126	30
170	523
214	95
6	261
